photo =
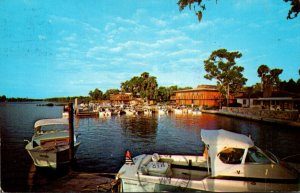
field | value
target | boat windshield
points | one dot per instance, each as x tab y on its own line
231	155
52	128
255	155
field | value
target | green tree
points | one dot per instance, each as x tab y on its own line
96	94
143	86
290	86
108	92
162	94
221	66
2	98
269	79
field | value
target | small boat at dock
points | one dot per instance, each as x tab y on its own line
104	113
50	144
162	111
130	111
230	163
196	111
147	111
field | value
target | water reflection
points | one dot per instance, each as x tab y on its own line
143	127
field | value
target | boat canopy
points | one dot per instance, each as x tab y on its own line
44	122
222	138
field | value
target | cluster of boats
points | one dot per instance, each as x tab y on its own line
107	111
230	162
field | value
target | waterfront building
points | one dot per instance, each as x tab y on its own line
120	98
202	96
277	101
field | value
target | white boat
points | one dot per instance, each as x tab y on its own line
178	111
147	111
162	111
130	111
105	113
65	113
196	111
230	163
49	146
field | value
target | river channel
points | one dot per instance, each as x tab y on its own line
104	141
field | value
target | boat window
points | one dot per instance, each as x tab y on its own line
255	155
54	127
231	155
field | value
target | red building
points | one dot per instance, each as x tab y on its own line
121	98
203	95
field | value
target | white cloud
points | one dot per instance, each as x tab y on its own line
158	22
42	37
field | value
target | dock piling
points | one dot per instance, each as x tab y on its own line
71	132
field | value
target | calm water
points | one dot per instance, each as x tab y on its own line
104	141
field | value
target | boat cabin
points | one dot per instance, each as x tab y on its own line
234	155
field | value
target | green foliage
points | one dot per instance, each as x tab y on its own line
81	99
221	66
269	79
290	86
200	5
143	86
18	99
106	95
294	10
164	93
185	88
2	98
96	94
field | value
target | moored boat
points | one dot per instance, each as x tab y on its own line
50	144
147	111
230	163
104	113
162	111
196	111
178	111
130	112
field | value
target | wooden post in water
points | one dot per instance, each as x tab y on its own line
71	132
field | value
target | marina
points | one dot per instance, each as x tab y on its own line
150	96
104	142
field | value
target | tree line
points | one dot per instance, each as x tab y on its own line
144	86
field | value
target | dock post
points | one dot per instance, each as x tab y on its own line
71	132
76	106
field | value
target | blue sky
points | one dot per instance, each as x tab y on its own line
54	48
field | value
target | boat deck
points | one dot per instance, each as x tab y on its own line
188	174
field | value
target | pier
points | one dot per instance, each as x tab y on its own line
80	182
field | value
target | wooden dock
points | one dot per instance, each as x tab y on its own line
80	182
87	114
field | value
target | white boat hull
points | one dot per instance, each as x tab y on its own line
51	157
213	185
190	173
104	114
178	111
